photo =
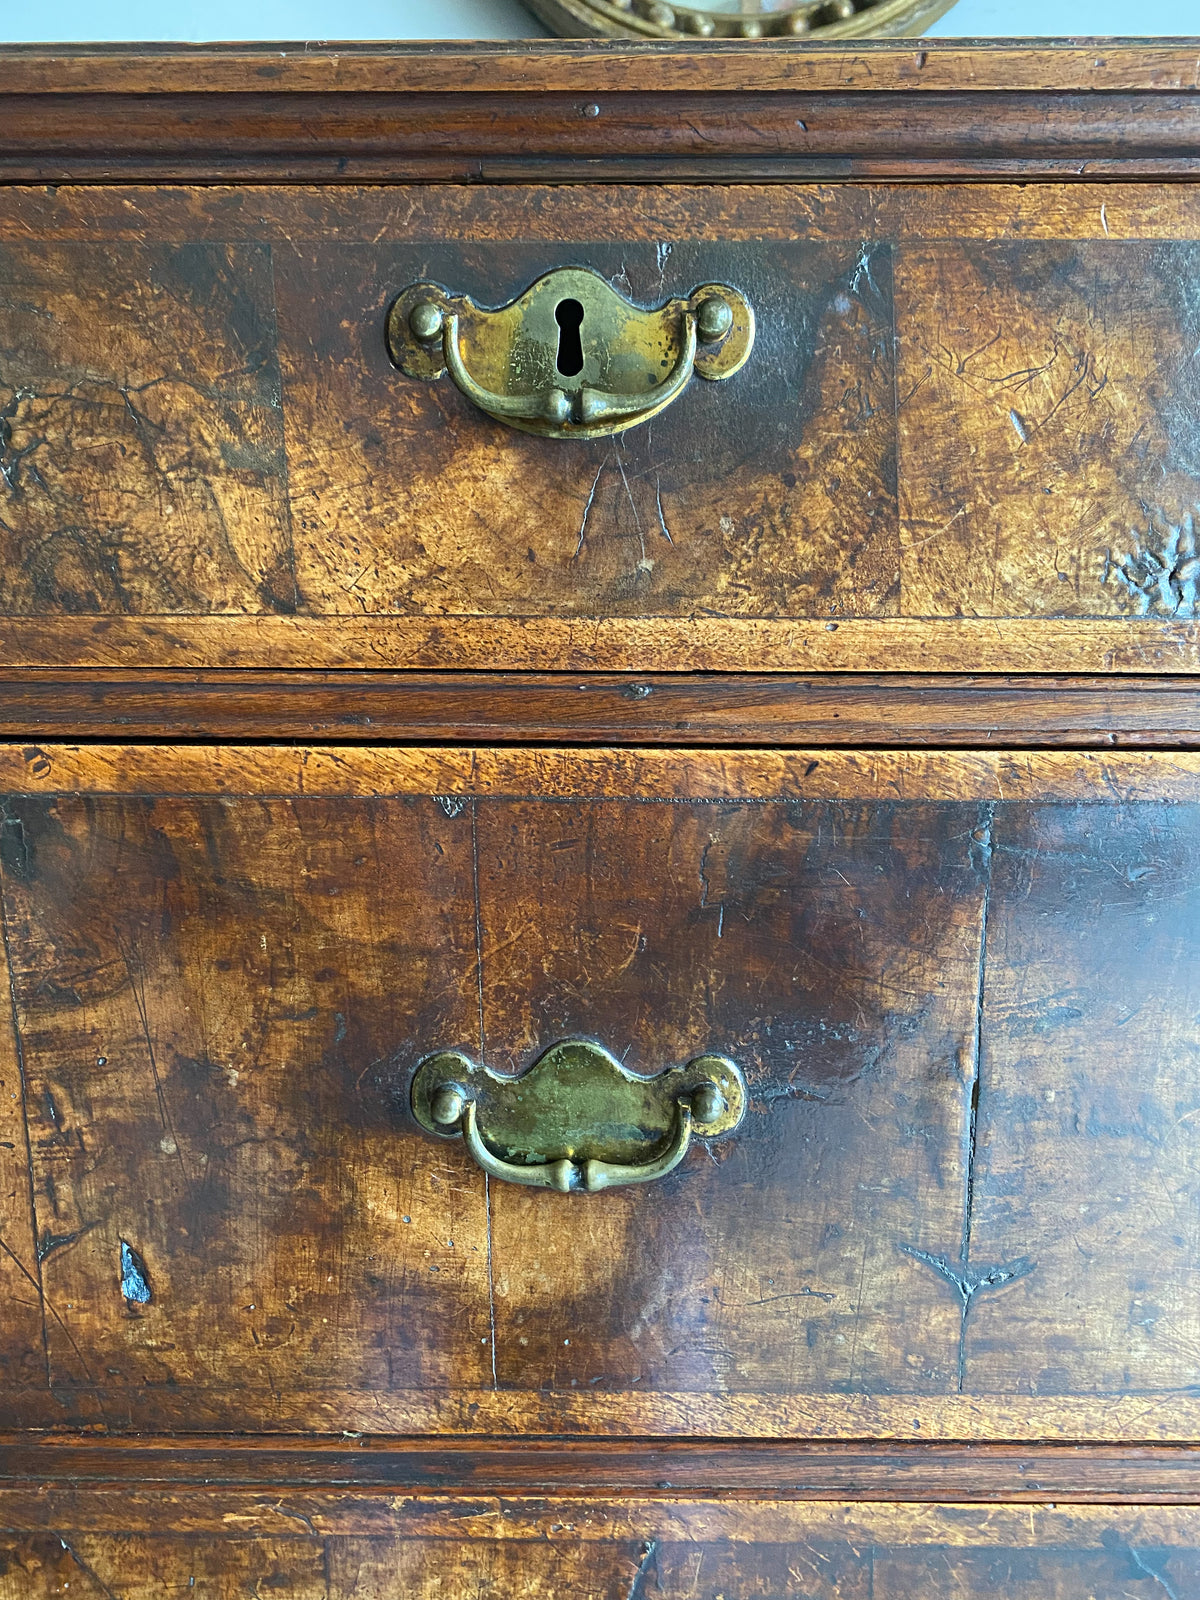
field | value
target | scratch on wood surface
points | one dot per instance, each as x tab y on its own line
662	521
969	1281
487	1182
49	1242
587	511
88	1570
1113	1542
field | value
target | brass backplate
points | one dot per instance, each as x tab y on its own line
577	1102
571	331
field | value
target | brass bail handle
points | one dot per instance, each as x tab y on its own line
578	1120
571	358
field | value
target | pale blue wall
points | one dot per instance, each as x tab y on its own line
499	19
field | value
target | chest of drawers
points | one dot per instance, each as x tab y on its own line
421	797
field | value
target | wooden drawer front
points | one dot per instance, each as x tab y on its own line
961	987
965	437
329	1546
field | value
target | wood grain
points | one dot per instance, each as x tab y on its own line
221	995
268	120
1089	1165
608	644
523	1522
659	753
874	1471
141	392
568	773
130	1567
826	213
830	1564
215	1004
854	709
775	496
576	65
833	952
427	1569
581	66
1171	1418
206	516
1044	426
22	1353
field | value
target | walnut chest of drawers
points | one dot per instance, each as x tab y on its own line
438	773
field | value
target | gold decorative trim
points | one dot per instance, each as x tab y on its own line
817	19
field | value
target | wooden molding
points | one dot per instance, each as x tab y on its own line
580	66
774	709
1107	646
772	111
784	1470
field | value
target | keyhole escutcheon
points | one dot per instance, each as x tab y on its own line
569	316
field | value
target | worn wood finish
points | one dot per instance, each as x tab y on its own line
1168	1419
669	931
654	776
141	391
1071	1068
595	1521
130	1567
608	644
578	66
780	136
656	1550
223	981
824	213
819	513
858	709
880	1471
200	1001
416	504
1020	420
502	113
22	1353
400	730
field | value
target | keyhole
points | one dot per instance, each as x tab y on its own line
569	316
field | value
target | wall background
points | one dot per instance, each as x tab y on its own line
500	19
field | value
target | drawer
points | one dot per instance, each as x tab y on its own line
960	987
588	1550
963	438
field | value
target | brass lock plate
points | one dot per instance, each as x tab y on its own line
571	357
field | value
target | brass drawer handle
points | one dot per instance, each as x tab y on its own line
577	1119
571	358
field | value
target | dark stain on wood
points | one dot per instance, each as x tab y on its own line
175	965
231	995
